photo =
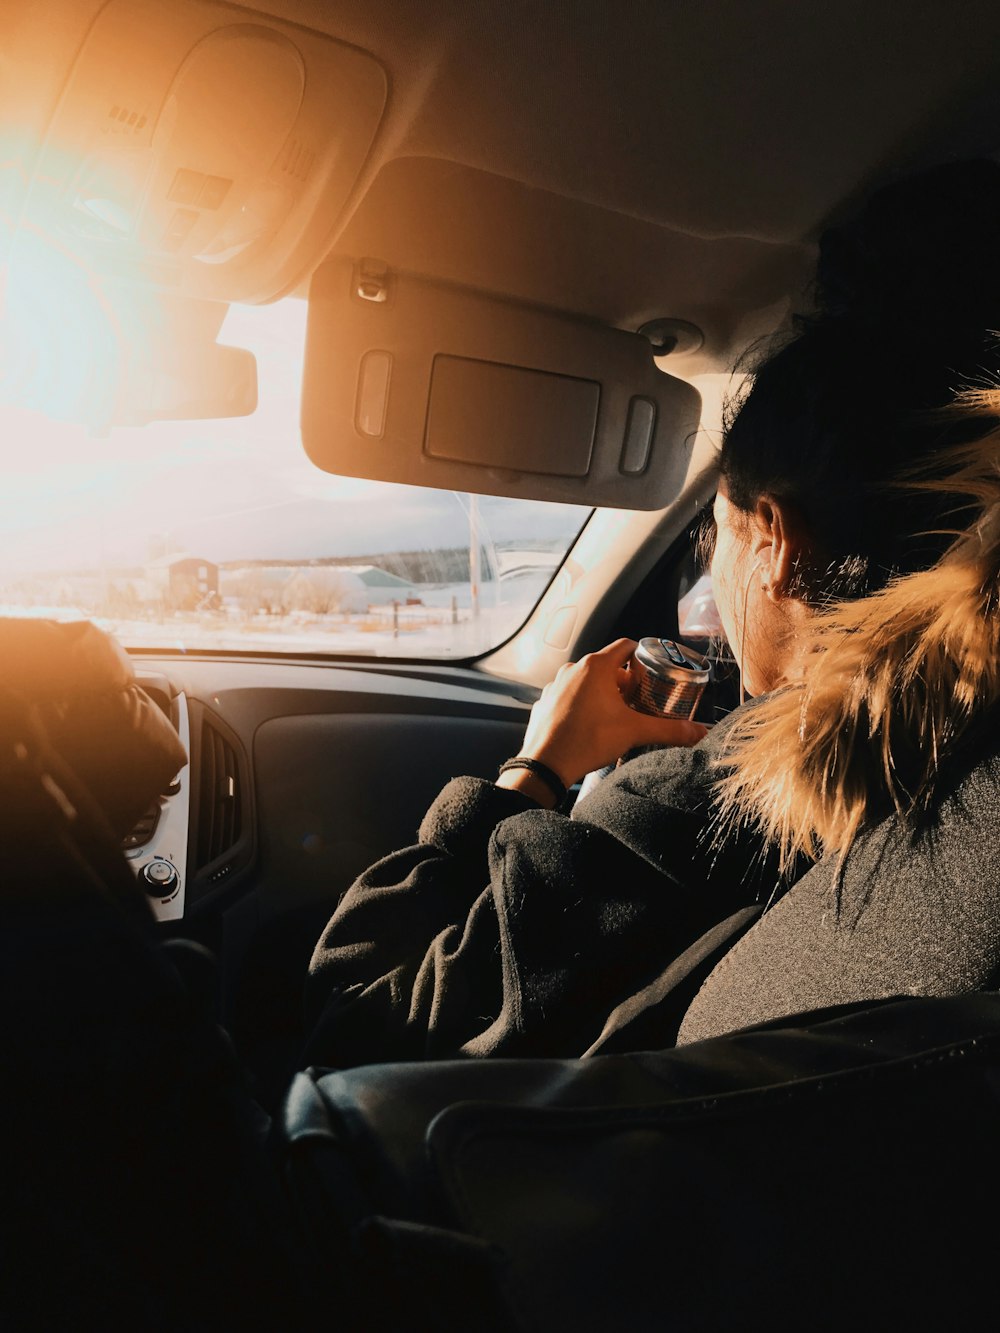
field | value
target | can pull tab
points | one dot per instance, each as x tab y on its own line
675	654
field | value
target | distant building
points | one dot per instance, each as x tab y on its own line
373	586
317	589
183	579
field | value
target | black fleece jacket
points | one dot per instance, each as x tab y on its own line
908	911
512	930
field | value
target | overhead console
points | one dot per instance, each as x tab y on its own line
205	149
425	384
199	154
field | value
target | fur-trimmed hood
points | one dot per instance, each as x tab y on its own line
892	684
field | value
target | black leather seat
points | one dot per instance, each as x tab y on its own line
834	1172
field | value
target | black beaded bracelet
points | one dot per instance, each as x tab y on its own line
540	770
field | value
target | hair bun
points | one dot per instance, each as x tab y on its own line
924	251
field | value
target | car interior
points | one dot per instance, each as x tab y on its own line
518	253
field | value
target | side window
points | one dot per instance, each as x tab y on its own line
697	617
675	601
699	626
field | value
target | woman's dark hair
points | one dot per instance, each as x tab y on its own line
840	417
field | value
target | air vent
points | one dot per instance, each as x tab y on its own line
220	812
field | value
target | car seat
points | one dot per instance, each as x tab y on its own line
833	1171
136	1192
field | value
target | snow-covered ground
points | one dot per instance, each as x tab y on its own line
443	625
445	622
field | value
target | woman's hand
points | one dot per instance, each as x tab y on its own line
582	722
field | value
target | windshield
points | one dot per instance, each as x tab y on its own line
223	535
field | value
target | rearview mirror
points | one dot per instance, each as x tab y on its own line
79	347
190	382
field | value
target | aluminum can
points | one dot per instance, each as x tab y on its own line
666	678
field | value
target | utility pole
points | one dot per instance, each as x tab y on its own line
474	555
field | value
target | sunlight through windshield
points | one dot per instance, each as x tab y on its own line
222	534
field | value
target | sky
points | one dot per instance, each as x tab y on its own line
226	489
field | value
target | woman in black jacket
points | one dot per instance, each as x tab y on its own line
833	840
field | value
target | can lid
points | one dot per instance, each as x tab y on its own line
666	657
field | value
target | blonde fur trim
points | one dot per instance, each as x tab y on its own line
890	684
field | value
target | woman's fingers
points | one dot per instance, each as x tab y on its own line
582	722
618	652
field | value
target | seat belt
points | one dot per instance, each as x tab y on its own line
650	1019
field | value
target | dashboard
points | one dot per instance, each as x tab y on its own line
300	775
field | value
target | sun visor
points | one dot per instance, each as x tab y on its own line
429	385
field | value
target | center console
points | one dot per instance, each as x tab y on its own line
157	846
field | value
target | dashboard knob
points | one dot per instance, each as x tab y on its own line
159	878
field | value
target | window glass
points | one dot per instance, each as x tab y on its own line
697	616
699	626
222	534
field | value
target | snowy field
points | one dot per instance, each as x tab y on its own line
445	625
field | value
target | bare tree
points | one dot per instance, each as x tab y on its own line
256	592
122	599
318	591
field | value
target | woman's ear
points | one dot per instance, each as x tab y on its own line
780	543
